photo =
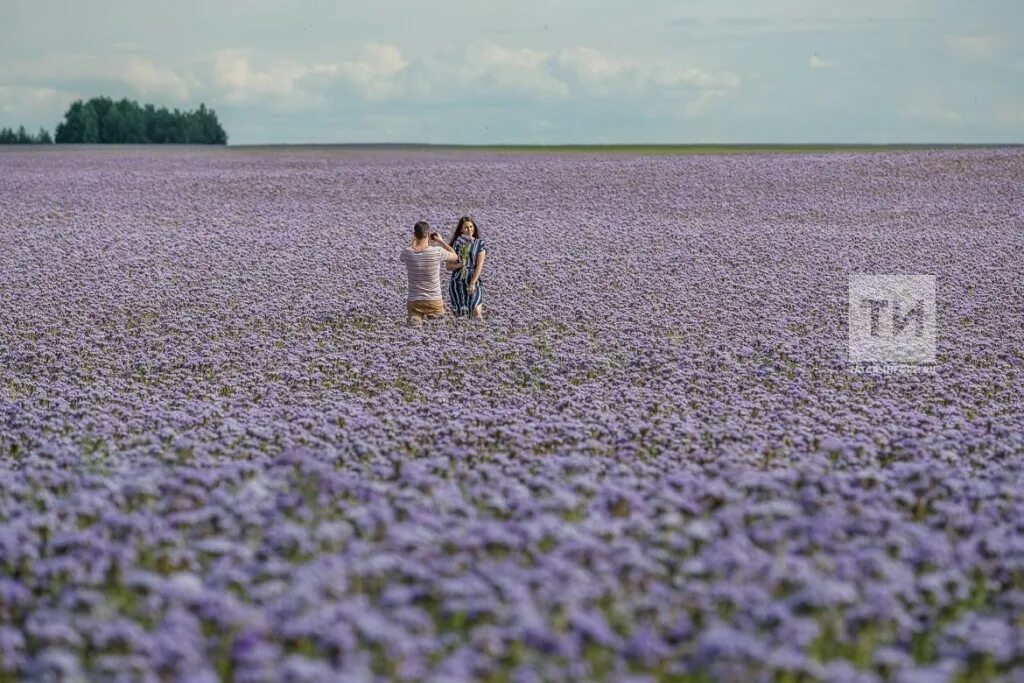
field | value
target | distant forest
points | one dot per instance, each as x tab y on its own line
9	136
102	120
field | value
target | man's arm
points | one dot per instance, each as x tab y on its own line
439	241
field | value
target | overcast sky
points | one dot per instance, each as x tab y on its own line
532	71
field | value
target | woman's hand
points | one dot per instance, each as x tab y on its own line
471	287
480	258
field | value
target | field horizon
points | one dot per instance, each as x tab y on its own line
556	148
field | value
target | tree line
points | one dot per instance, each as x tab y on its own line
9	136
101	120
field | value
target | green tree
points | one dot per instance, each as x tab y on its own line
71	128
102	107
112	126
90	125
103	120
9	136
133	122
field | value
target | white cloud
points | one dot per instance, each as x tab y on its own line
703	100
972	47
589	64
32	106
375	71
149	79
234	70
470	76
513	71
291	82
129	74
591	73
817	62
15	97
379	72
666	75
495	71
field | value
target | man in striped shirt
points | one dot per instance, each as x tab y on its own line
423	259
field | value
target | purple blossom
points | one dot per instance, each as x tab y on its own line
222	450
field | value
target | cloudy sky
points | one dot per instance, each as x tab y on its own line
532	71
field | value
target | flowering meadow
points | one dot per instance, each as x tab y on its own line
223	455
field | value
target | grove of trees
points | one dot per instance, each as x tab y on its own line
102	120
9	136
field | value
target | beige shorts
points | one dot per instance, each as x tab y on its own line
427	307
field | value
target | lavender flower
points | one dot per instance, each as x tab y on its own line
224	455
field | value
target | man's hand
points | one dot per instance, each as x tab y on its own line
436	237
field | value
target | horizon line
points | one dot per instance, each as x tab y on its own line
626	144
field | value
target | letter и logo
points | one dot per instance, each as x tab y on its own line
892	319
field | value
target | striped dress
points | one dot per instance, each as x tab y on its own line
468	250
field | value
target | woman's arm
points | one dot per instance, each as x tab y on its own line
480	258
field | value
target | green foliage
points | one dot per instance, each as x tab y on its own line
9	136
102	120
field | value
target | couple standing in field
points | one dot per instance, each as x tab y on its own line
463	256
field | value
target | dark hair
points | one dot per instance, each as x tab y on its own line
421	230
458	229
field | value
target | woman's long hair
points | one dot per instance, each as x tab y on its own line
458	229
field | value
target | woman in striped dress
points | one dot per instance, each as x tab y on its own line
466	290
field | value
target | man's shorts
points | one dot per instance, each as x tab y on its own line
426	307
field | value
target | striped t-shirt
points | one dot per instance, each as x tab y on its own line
424	269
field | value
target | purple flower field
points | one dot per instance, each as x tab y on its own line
223	456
